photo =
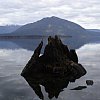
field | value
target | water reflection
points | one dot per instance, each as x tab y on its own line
53	85
54	69
30	44
14	87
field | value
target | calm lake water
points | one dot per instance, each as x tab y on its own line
14	87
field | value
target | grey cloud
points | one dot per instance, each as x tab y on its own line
24	11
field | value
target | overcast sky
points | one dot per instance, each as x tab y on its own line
83	12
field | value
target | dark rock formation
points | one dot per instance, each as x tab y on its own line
79	88
89	82
73	56
54	69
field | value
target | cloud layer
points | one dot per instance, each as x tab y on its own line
86	13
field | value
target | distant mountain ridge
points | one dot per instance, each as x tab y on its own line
8	28
50	26
94	30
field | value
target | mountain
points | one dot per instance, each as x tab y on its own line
94	30
50	26
8	28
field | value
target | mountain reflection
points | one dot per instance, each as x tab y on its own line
30	44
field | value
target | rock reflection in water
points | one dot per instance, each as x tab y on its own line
53	84
54	69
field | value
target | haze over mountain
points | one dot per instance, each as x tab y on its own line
8	28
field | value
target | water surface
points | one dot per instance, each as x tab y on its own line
14	87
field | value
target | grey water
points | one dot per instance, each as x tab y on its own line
13	58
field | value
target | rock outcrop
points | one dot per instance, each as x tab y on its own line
89	82
73	56
79	88
54	69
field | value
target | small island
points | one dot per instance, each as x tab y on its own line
54	69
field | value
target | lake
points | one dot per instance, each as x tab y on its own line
13	59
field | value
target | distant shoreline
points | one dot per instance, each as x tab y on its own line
29	36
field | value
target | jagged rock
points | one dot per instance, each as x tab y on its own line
89	82
54	69
73	56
